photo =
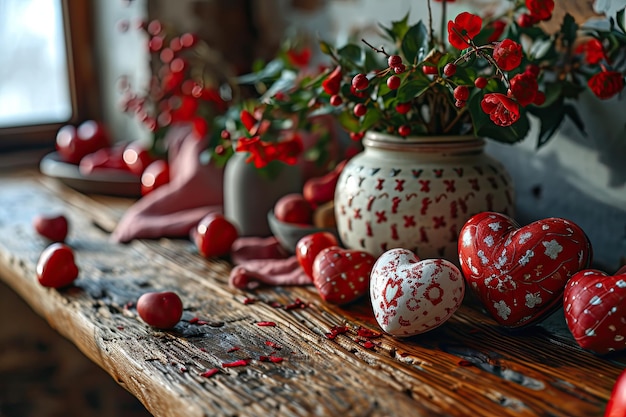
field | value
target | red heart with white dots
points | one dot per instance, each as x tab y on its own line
595	310
519	273
341	275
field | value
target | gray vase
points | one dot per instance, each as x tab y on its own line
249	195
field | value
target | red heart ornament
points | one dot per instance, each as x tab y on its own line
410	296
341	275
519	273
56	267
595	310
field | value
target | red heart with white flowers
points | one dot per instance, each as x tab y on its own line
519	273
341	275
412	296
595	310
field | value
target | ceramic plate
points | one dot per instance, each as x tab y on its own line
110	182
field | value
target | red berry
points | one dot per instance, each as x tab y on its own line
393	82
480	82
399	69
225	134
403	108
430	70
360	82
335	100
394	61
461	93
404	130
460	103
155	27
360	109
449	70
357	136
526	20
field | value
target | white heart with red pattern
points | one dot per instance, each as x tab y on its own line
412	296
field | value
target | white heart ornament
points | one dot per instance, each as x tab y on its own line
411	296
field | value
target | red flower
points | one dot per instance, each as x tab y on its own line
524	87
463	29
540	9
498	28
508	54
593	50
606	84
501	110
299	58
333	82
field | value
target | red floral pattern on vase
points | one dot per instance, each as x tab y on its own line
595	310
519	273
417	193
411	296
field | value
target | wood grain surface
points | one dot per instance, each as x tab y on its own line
467	367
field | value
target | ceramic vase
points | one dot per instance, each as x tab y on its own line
249	193
417	193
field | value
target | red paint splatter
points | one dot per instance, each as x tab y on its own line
240	362
233	349
128	305
209	373
182	369
276	304
464	362
368	344
273	345
203	349
336	331
249	300
194	320
274	359
120	327
266	324
367	333
298	303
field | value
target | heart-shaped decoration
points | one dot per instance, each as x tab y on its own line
341	275
595	310
56	267
412	296
519	273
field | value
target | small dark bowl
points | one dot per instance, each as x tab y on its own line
288	234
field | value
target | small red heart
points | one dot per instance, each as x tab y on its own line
309	246
341	275
519	273
595	310
53	227
56	267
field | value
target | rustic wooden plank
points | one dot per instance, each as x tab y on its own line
468	366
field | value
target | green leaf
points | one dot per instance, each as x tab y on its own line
348	121
415	43
326	48
550	118
370	119
270	71
569	29
620	19
411	89
572	113
398	28
352	53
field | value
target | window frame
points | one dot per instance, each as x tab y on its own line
83	82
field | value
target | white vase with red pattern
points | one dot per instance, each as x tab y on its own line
417	193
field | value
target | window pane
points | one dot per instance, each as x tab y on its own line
34	87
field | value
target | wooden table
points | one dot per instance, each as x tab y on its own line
467	367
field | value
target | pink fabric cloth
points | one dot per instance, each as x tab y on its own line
262	261
173	209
